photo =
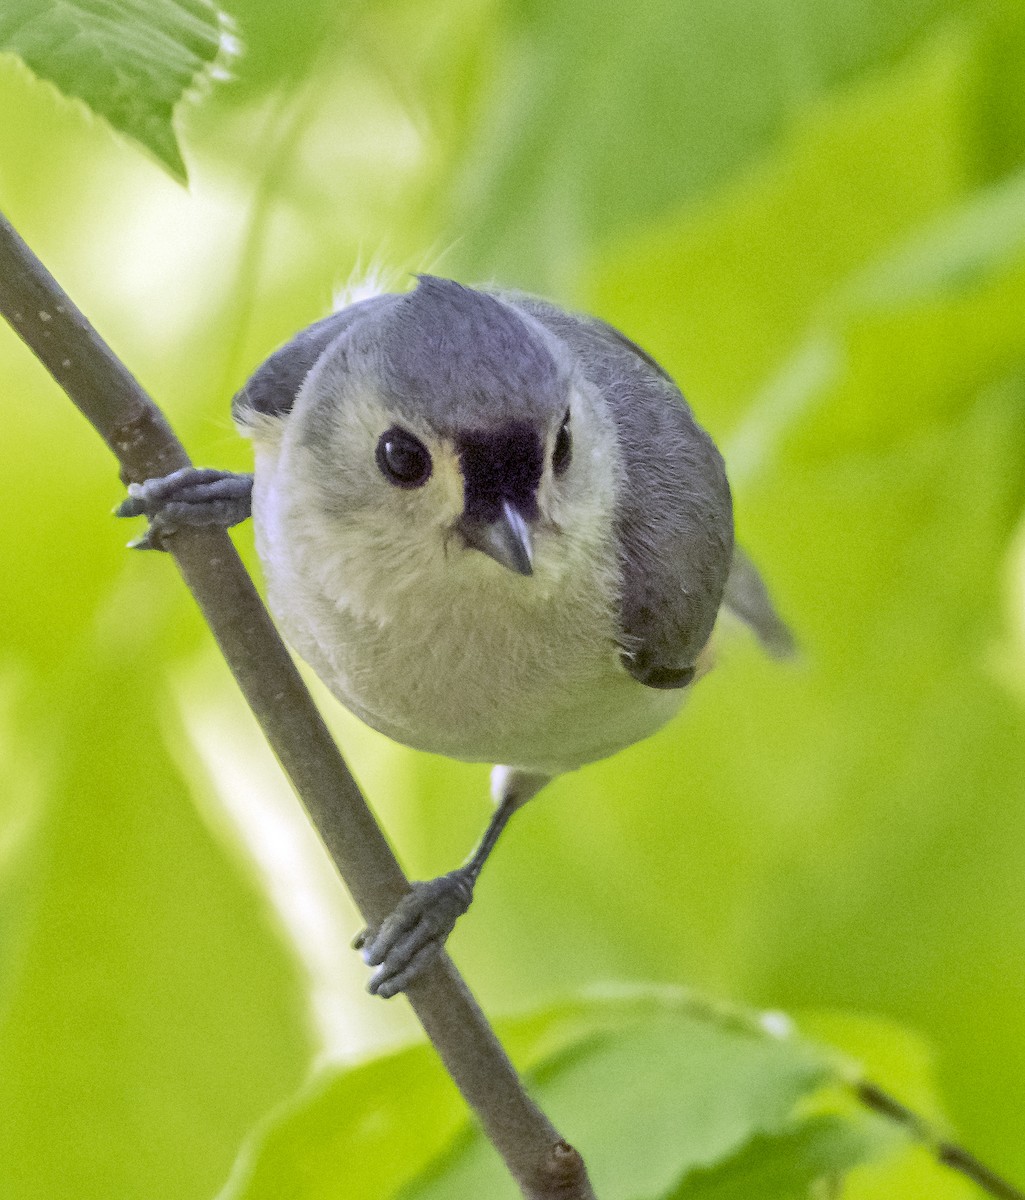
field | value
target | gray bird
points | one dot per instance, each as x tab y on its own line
495	531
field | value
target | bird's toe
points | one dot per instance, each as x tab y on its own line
192	496
413	936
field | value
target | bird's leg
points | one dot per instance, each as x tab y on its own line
191	496
414	935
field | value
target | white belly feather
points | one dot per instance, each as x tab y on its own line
469	660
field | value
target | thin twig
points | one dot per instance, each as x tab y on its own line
101	387
948	1153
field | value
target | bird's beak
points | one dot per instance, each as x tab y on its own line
507	539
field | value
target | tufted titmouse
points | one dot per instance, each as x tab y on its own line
495	531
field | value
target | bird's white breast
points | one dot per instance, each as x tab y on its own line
443	649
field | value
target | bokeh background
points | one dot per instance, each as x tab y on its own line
813	213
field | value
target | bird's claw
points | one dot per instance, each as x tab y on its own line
192	496
413	936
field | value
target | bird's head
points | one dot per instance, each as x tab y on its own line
450	431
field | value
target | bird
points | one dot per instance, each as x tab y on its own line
494	529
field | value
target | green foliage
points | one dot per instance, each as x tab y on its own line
791	1166
728	1104
814	214
732	76
131	62
719	1105
703	1092
127	928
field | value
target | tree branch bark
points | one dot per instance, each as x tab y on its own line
101	387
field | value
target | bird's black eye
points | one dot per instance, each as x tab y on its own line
404	460
563	447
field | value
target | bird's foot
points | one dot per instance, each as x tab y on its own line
413	936
191	496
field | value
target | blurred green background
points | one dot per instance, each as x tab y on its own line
814	215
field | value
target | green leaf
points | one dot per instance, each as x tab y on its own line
131	63
678	1086
789	1165
364	1132
666	1094
371	1128
650	1086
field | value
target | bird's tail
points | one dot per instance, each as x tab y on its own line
748	599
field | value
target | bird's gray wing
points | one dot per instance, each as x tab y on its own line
674	522
271	390
748	598
746	595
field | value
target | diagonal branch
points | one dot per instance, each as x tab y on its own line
98	383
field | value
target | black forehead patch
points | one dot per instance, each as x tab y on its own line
465	359
500	464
